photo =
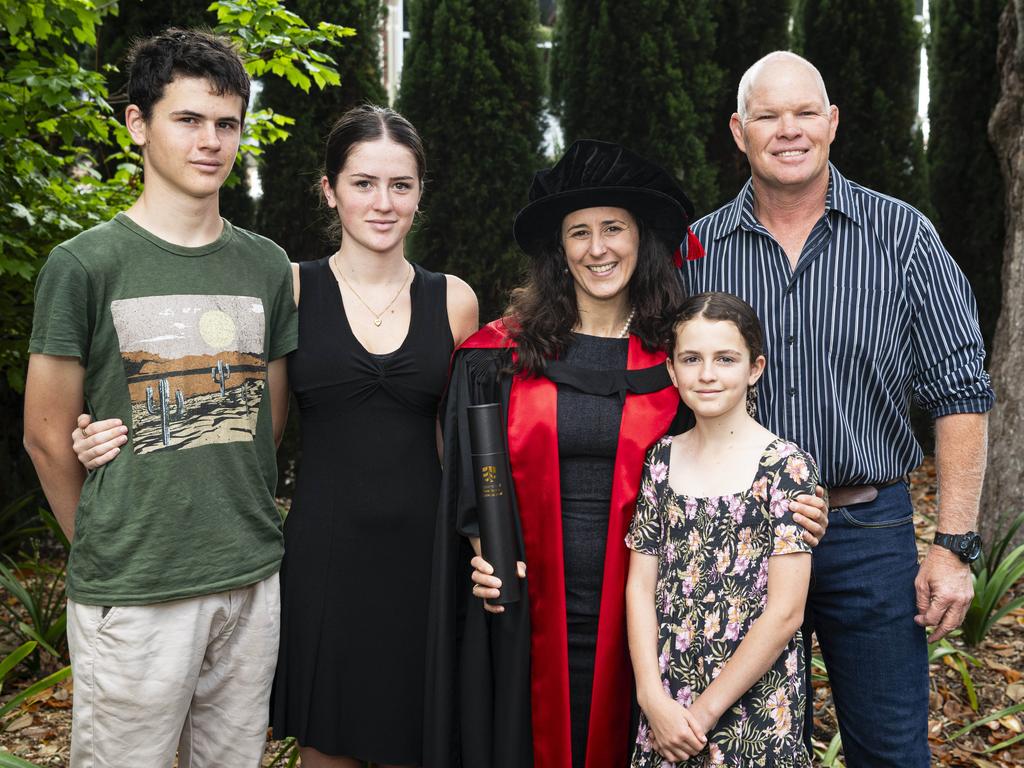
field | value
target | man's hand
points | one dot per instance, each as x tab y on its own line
811	512
944	591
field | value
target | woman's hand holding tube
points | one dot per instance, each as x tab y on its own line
486	585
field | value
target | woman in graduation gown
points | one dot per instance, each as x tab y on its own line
578	369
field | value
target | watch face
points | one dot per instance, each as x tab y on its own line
972	547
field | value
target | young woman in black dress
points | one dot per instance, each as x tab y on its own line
376	335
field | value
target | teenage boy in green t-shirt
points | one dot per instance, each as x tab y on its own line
177	323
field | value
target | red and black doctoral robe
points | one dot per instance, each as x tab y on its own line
497	684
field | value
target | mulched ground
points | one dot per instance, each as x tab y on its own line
40	730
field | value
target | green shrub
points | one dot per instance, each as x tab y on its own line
39	611
996	573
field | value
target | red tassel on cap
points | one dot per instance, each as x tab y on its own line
694	250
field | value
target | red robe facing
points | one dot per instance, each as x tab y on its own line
534	461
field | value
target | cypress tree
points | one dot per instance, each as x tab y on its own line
745	30
873	78
964	178
290	170
639	72
575	23
471	86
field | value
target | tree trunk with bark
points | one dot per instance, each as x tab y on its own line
1003	497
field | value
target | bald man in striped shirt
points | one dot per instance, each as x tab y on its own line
863	309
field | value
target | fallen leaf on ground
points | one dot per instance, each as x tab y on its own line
954	710
21	722
1011	722
1011	674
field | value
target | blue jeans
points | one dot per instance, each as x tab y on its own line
861	605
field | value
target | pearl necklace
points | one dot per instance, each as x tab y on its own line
629	321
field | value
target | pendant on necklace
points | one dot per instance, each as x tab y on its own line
377	322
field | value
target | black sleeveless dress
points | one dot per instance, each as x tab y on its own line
358	539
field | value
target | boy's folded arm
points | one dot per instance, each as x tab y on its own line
54	395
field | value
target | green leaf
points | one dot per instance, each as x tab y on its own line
47	682
7	760
22	213
15	657
1004	744
832	752
987	719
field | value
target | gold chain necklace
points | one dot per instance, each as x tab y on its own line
377	316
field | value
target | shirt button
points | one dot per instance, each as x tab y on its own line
790	339
792	391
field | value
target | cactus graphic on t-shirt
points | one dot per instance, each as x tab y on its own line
195	367
165	407
221	374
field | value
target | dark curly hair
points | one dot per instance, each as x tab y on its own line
153	62
543	310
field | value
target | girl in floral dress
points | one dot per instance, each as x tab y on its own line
718	574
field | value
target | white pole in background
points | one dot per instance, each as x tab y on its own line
394	47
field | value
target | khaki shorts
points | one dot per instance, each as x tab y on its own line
189	676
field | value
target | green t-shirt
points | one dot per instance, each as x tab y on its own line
175	342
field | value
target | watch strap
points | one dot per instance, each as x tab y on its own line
966	546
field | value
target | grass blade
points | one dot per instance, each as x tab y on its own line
7	760
1004	744
28	631
47	682
11	661
829	758
988	719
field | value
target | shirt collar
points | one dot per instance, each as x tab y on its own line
740	212
840	196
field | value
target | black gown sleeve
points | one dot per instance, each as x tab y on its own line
477	687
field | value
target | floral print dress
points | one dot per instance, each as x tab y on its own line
712	584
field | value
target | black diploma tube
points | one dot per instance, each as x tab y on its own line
494	504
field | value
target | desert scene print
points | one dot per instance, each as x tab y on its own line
195	367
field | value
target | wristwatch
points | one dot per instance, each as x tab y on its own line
966	546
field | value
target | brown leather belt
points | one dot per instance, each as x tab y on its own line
848	495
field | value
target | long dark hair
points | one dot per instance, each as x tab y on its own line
543	310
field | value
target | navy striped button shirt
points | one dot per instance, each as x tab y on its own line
876	312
